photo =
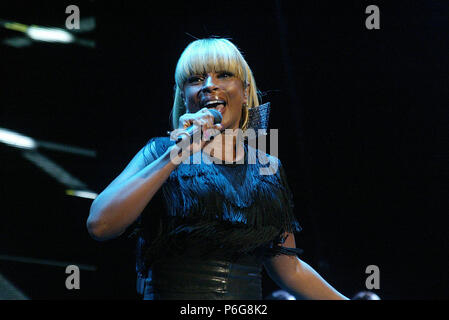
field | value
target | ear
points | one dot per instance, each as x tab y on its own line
183	97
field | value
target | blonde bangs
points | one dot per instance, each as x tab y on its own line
210	55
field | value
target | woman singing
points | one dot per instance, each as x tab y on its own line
223	220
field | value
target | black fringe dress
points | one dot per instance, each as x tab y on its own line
221	222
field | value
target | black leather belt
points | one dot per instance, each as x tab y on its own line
197	279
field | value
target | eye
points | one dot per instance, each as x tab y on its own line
194	79
225	74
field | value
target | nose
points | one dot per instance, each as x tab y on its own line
209	84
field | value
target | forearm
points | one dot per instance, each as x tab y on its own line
118	206
308	283
300	279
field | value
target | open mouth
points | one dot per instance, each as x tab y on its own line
218	105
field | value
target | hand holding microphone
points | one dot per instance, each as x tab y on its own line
196	130
205	121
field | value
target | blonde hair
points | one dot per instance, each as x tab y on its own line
212	55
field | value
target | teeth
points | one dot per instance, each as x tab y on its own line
214	102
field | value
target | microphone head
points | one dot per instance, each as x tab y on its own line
217	116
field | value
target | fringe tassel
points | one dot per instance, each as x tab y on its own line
207	215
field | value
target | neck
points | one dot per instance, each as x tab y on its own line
226	148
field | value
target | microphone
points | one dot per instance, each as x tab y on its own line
189	131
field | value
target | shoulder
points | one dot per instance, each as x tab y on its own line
269	164
155	147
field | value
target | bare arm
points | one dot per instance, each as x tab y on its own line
297	277
121	203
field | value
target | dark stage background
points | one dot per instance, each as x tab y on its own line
362	117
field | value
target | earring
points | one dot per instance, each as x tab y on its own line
245	112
